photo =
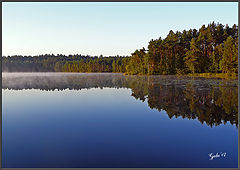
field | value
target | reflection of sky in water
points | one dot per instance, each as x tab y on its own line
105	128
67	96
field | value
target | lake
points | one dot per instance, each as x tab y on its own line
79	120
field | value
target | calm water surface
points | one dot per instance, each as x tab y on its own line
111	120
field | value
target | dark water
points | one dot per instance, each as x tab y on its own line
112	120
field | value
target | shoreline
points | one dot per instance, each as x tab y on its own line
215	75
197	75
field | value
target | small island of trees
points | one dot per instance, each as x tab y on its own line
213	49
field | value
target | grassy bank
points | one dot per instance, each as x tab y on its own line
215	75
205	75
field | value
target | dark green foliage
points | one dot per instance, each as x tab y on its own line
62	63
211	49
229	61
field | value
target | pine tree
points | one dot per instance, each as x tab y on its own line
191	59
228	59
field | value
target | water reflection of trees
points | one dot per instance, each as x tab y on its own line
209	101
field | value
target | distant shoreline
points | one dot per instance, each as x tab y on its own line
196	75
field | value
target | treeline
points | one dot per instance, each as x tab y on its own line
211	49
63	63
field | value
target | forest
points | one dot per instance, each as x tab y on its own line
211	49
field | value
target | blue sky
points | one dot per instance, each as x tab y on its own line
107	28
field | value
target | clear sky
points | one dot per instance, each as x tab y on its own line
107	28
